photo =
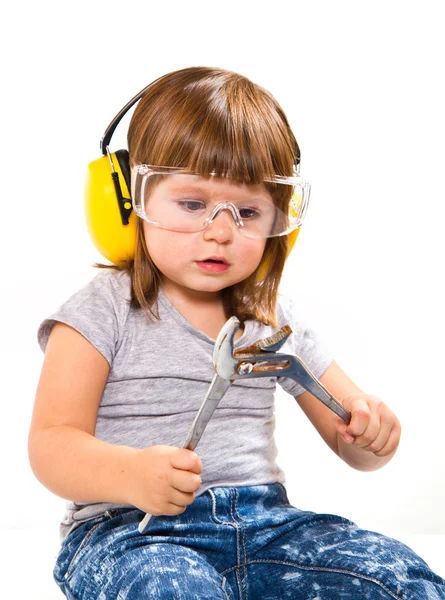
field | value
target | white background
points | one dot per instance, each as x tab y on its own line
362	86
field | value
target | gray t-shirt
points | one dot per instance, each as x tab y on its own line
159	375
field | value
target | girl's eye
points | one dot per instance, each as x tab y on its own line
191	205
249	213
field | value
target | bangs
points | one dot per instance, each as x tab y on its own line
218	123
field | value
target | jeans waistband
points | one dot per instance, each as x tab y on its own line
237	504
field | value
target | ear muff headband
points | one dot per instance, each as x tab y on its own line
109	215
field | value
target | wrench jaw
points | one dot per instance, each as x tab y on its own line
269	344
223	359
261	360
229	363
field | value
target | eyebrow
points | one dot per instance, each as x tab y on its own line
198	186
189	186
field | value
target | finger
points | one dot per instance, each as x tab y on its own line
197	467
392	443
180	498
341	428
380	440
184	481
187	460
174	510
197	464
371	432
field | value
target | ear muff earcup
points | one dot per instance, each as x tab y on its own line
106	213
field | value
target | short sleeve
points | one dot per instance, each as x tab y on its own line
306	342
97	311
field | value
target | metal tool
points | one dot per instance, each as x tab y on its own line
260	359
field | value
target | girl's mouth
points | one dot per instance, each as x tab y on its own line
215	264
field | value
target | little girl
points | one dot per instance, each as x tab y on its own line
216	199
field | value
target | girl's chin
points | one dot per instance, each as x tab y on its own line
195	285
202	280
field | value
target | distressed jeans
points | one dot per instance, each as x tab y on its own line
243	543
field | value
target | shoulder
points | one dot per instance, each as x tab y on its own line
99	310
108	289
307	342
306	330
113	282
288	311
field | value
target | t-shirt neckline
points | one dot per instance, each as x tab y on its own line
179	318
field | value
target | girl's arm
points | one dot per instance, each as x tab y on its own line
67	458
372	437
63	452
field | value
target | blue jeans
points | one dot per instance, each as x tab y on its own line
245	543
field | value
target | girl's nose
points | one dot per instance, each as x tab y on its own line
221	228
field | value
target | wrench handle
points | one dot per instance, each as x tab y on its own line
144	523
216	391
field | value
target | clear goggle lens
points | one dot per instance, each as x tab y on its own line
186	202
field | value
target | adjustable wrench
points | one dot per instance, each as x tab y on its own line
260	359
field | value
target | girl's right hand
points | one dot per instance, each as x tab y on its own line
164	479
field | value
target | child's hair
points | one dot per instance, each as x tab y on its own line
213	120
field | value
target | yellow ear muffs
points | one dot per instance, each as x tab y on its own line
110	219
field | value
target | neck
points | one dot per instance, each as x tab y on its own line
204	310
181	296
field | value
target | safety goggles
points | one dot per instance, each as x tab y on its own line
179	200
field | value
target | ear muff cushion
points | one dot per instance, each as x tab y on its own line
292	237
116	242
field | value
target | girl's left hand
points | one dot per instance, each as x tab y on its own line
373	427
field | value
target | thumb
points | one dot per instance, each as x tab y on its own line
341	428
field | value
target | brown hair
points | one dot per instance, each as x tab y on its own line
213	120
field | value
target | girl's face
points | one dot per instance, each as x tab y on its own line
204	261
